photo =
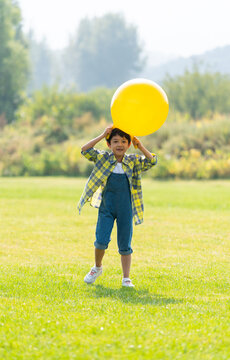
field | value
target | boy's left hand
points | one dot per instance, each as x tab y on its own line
136	142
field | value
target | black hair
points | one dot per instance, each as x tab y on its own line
119	132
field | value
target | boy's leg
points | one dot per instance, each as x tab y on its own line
125	232
99	254
103	232
126	264
97	269
104	226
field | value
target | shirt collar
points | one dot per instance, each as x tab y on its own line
112	159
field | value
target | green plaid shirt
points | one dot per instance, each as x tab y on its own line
105	162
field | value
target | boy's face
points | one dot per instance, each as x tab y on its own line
119	145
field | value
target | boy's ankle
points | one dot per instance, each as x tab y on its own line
98	267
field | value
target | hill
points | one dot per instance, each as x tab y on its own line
216	60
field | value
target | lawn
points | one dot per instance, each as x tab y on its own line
180	307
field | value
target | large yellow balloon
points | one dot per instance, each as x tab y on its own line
139	107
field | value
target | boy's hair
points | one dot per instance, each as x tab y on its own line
119	132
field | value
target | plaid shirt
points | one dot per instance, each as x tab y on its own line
105	162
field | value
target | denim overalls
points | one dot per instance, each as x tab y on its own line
115	204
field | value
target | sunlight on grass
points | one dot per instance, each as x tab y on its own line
179	308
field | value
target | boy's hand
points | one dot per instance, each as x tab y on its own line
93	142
136	142
108	131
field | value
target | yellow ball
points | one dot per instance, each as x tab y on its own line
139	107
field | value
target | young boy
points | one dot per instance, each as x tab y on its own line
115	187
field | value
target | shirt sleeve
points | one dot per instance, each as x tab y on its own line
145	163
91	154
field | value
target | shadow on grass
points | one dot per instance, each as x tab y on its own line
131	296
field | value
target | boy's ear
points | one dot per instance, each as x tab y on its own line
108	144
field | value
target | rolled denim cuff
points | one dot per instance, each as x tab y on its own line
128	252
100	246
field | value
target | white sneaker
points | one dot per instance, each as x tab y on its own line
127	282
93	275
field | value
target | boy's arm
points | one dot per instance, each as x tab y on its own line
138	144
150	158
93	142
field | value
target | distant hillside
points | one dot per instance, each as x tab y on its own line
216	60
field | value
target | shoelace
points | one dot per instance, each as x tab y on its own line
92	272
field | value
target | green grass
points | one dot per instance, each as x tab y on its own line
180	307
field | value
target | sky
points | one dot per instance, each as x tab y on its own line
176	27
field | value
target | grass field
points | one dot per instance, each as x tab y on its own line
180	307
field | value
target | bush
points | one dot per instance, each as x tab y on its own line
199	94
64	107
52	126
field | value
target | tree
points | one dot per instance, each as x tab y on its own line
105	52
41	64
199	94
14	63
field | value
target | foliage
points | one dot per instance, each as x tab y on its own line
102	97
43	140
199	94
62	107
188	150
185	150
41	59
52	125
14	63
105	52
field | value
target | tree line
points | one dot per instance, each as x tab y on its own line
104	52
51	126
41	132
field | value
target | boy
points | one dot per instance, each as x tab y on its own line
115	187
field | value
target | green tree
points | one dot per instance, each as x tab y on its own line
14	64
199	94
105	52
41	64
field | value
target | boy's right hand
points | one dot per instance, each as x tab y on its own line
108	131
